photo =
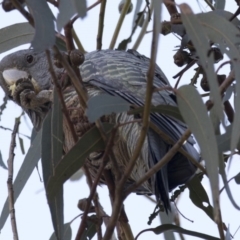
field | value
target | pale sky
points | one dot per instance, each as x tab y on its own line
32	213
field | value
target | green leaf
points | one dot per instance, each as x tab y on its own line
2	164
163	109
219	4
225	181
237	178
4	104
52	147
44	37
90	229
21	145
226	36
81	7
75	158
29	163
166	227
195	115
57	130
67	8
105	104
15	35
199	196
67	232
199	38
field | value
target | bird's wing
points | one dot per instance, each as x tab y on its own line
125	74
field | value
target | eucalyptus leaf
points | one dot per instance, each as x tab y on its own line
52	145
199	38
195	115
21	145
199	196
2	164
30	161
226	36
67	8
237	178
44	37
219	4
75	158
90	229
15	35
67	232
105	104
166	227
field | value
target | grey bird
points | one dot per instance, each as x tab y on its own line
25	78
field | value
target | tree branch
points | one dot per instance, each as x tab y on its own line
10	178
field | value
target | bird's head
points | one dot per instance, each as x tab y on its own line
25	78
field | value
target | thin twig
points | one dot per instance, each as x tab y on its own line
10	178
94	186
60	95
119	24
118	203
101	24
167	157
144	27
74	79
9	129
21	9
209	4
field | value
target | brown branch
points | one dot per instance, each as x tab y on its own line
10	178
74	78
60	95
118	202
94	186
171	7
101	24
189	65
21	9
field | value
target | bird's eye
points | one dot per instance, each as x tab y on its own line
29	58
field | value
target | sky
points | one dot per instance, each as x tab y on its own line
32	213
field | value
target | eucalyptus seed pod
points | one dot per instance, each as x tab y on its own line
181	58
76	57
8	6
82	203
121	5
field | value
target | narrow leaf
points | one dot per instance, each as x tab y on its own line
67	232
105	104
226	35
21	145
195	115
44	37
75	158
90	229
237	178
2	164
166	227
219	4
67	8
199	196
81	7
15	35
29	163
55	206
200	41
